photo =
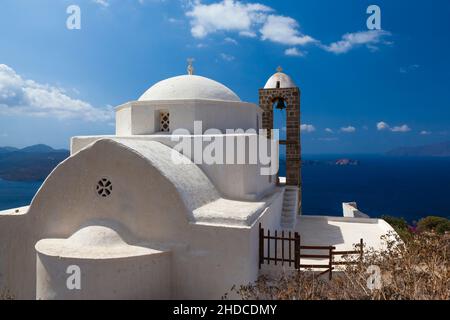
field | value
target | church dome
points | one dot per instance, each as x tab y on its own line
189	87
280	80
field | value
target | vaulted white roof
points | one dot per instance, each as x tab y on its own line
283	80
189	87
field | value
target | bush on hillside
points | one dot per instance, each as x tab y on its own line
399	225
432	223
418	269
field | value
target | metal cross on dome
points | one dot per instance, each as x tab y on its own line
279	69
190	68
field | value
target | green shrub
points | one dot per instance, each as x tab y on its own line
443	227
396	223
432	223
399	225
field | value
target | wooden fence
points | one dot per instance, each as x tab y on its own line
292	252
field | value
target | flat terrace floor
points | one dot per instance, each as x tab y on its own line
340	232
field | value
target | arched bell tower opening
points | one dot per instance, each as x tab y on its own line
279	108
280	94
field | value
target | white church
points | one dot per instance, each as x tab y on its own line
120	219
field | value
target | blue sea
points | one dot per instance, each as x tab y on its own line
405	187
17	194
411	188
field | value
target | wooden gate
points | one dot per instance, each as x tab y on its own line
292	252
287	239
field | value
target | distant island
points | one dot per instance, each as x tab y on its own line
337	162
32	163
331	162
432	150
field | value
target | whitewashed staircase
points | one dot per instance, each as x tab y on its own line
290	207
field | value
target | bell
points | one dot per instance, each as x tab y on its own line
280	104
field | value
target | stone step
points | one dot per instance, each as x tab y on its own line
289	207
290	195
287	226
290	216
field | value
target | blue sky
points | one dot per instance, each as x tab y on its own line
362	91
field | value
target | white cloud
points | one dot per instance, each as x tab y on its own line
409	68
349	129
329	139
307	128
174	20
103	3
329	130
247	19
248	34
402	128
20	96
382	126
350	40
227	15
425	132
230	40
227	57
255	19
283	30
294	52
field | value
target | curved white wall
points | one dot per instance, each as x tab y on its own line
205	260
233	181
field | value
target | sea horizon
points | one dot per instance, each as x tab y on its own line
407	187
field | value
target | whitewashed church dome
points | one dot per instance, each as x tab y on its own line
187	87
280	80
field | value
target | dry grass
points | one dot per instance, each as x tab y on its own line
417	269
6	295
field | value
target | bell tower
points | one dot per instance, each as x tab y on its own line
280	92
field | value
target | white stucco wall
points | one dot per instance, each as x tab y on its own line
16	256
205	259
141	277
203	238
234	181
350	210
123	121
142	117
